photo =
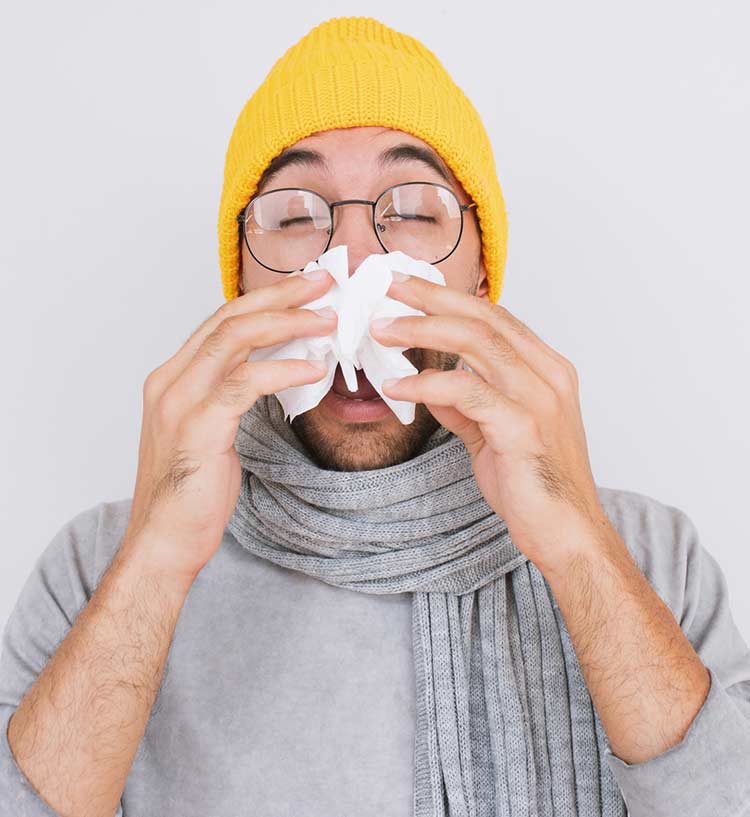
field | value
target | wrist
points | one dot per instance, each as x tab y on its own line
592	547
141	556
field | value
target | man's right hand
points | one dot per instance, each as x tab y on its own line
188	477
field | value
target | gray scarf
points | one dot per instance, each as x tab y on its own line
505	724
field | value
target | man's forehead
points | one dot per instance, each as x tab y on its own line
385	146
357	136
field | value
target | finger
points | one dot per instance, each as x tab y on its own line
292	291
235	338
487	352
208	422
503	423
434	299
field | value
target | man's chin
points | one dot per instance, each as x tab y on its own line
336	445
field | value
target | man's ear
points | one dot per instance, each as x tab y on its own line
483	288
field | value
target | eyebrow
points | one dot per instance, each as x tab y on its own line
391	156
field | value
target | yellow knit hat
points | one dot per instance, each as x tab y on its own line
350	72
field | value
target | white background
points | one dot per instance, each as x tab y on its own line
621	136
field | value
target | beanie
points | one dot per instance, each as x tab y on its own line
350	72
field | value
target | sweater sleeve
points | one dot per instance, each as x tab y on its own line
708	771
59	585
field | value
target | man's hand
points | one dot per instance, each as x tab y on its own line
189	472
520	420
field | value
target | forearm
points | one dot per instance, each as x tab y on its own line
77	729
644	677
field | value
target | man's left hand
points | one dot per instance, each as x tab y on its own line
518	416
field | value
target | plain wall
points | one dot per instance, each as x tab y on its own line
621	138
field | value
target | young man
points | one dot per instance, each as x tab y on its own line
347	614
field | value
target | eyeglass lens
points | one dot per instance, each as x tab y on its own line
286	229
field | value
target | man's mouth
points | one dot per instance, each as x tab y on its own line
365	389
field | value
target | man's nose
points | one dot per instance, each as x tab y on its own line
354	228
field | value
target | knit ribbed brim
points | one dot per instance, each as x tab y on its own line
356	71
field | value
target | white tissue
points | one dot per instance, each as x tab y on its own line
357	300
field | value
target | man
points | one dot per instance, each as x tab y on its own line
164	659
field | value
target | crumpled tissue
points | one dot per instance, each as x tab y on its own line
357	300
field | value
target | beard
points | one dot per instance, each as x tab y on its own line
362	446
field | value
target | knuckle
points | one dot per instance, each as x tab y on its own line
221	336
492	313
572	375
499	315
566	377
529	427
226	310
517	325
152	385
166	409
229	392
189	425
550	400
479	396
498	347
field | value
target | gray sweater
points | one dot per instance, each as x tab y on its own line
287	697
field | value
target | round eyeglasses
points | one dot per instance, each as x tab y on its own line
285	229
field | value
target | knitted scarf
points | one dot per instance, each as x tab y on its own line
505	724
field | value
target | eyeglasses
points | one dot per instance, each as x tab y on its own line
285	229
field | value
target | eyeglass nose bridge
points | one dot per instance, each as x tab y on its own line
354	201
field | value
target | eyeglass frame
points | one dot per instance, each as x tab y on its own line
242	217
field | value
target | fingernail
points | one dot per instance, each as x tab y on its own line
326	312
390	382
320	365
399	276
315	274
